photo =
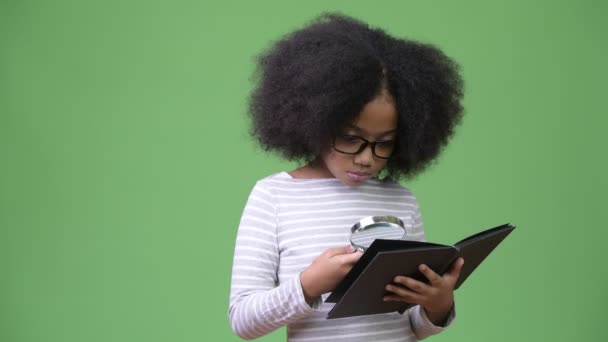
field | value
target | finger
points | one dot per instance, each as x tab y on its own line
454	273
412	284
393	298
434	278
330	252
401	294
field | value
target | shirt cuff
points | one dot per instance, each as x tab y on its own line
301	298
423	327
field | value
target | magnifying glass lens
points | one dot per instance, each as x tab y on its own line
364	232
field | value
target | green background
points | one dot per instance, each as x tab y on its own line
125	162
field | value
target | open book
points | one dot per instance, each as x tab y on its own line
362	289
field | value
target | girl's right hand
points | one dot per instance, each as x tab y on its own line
327	270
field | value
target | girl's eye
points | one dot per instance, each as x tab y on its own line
350	138
386	143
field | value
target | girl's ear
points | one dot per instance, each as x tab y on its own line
316	161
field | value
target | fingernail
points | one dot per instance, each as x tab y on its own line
351	248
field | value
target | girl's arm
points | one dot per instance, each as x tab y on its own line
420	322
258	303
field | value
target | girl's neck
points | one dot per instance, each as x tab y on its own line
313	170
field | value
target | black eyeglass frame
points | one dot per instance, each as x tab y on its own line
364	146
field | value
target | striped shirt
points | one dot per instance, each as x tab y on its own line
285	225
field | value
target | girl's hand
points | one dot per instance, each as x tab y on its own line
437	297
327	270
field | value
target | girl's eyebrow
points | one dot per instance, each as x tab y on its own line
359	129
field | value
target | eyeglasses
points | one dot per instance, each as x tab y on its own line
352	144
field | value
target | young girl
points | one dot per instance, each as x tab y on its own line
360	109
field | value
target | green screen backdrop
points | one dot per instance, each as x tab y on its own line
125	162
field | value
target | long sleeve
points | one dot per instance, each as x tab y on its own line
258	303
421	325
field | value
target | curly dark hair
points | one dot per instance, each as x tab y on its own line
314	81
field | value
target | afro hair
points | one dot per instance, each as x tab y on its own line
314	81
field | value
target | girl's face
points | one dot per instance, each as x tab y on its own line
377	122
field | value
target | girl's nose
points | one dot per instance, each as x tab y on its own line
365	157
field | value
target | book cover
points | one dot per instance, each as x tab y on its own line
362	289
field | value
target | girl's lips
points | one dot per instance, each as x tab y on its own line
358	176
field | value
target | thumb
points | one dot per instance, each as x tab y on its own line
349	258
340	250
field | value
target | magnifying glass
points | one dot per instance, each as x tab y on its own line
370	228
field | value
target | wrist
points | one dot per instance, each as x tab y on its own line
438	317
307	287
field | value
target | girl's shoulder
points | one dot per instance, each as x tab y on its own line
284	181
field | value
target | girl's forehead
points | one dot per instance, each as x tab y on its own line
379	116
362	130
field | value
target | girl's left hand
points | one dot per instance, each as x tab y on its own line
437	297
